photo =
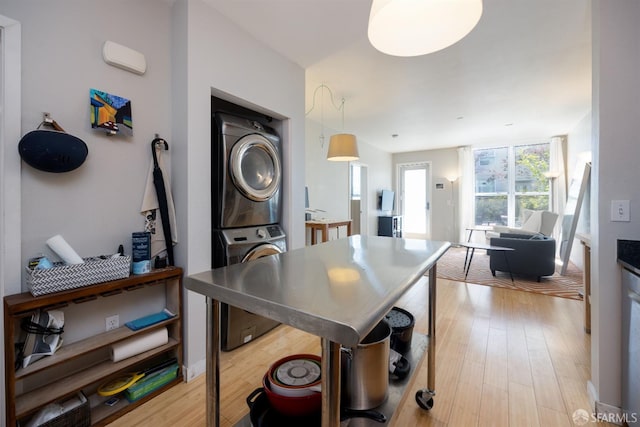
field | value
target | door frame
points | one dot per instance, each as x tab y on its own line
10	119
400	191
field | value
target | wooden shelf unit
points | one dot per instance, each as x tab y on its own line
63	374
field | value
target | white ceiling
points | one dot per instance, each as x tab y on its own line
523	74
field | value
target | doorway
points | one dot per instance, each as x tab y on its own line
359	202
415	196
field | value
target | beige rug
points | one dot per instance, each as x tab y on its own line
450	266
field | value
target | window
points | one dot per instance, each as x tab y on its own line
355	182
509	180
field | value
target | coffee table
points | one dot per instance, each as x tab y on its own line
474	246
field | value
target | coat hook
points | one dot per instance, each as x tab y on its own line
158	140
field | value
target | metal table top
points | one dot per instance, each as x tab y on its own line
337	290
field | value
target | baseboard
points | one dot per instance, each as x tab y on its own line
194	371
603	411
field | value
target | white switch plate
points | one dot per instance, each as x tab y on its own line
620	210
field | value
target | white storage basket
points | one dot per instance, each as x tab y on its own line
62	277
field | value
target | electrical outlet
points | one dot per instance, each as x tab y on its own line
112	322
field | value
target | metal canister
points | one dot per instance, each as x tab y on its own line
365	370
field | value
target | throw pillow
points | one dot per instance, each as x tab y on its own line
533	222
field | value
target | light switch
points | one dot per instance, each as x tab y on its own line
620	210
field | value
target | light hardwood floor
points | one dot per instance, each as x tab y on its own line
503	358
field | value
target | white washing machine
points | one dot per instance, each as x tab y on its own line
246	173
233	246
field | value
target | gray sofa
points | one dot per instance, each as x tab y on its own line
532	255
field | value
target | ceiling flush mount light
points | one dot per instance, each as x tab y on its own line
419	27
343	146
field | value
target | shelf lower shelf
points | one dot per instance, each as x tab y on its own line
28	402
397	388
102	414
72	351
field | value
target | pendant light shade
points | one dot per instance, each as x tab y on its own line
419	27
343	148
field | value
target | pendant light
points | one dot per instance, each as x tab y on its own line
419	27
343	147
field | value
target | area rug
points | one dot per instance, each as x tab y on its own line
450	266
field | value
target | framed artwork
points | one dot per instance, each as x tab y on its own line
110	113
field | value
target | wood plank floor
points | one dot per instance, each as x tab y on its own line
503	358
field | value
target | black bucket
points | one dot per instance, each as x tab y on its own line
401	322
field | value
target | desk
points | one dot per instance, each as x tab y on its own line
298	288
585	239
324	226
474	246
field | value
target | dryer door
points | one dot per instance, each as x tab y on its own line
262	251
255	167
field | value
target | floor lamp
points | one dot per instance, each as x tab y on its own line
452	180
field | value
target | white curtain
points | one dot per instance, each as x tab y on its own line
558	145
466	199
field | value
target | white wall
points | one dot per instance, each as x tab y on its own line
191	52
444	164
213	56
616	98
328	182
95	207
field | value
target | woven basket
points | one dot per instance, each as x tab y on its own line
62	277
80	416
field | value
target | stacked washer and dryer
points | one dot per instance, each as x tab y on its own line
246	185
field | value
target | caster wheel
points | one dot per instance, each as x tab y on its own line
424	399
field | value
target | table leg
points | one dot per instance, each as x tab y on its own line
424	397
466	273
466	257
313	235
330	383
213	362
325	233
431	354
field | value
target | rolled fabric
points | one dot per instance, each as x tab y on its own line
64	250
139	344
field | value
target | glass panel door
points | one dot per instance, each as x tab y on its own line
414	195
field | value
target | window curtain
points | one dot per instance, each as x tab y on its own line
466	199
557	169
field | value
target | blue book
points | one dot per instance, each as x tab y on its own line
149	320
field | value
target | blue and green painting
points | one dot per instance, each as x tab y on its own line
111	113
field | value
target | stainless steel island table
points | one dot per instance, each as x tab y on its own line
337	290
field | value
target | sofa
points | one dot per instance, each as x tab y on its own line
533	255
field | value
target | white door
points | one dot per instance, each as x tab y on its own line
415	200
